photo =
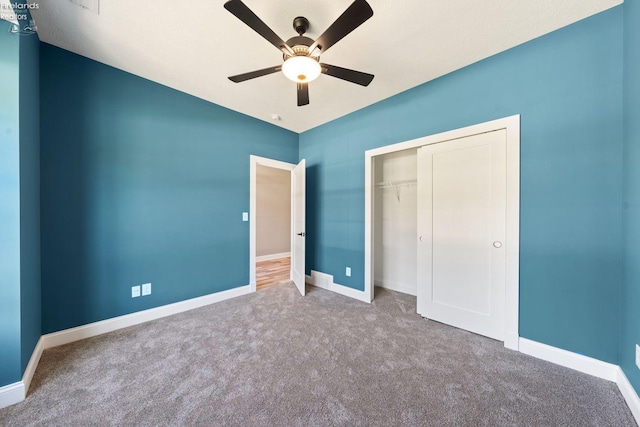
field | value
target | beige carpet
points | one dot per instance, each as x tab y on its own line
274	358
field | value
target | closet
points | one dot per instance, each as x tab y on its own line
439	229
395	221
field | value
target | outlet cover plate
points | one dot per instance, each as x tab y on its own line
146	289
135	291
638	356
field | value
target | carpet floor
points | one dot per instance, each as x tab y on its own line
274	358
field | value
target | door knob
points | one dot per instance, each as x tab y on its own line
420	238
497	244
302	234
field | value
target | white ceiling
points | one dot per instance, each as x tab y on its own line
194	45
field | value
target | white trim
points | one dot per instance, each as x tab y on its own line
512	127
11	394
369	177
568	359
273	256
254	161
33	364
98	328
511	340
16	392
586	365
325	281
629	394
405	288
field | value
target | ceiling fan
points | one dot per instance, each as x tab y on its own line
301	54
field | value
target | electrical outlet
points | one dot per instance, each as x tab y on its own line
638	356
146	289
135	291
348	272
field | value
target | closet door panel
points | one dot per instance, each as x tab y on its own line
461	228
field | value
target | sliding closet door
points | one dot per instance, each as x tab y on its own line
462	229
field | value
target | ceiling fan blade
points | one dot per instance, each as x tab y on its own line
253	74
352	18
303	94
357	77
243	13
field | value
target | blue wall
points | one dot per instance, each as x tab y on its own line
567	86
30	307
20	323
9	209
631	284
140	183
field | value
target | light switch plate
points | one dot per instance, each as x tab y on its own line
135	291
245	216
638	356
348	272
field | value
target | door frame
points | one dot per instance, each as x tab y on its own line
254	161
512	247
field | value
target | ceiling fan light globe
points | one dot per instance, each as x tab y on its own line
301	69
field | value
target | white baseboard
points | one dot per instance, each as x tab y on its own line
350	292
629	394
512	340
325	281
568	359
558	356
273	256
11	394
587	365
404	288
309	280
16	392
98	328
32	365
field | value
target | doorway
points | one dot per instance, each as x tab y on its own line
273	226
277	223
397	186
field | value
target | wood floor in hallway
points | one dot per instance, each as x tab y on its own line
272	272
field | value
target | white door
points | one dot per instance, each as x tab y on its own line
461	233
298	224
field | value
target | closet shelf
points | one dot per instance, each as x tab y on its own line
395	185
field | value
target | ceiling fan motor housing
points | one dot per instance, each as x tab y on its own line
300	24
300	46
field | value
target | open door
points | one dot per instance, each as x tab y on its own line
298	237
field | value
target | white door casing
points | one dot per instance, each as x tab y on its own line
298	237
462	231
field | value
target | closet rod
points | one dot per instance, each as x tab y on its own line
389	184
